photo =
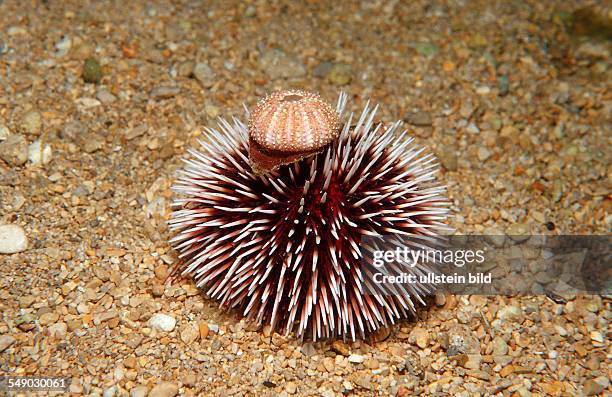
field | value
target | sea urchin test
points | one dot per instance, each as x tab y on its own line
272	215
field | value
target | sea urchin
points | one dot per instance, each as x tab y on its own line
286	248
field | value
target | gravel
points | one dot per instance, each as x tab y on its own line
522	86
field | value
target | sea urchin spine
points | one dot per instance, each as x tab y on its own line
285	248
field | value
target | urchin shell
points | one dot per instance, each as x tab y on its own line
284	248
293	121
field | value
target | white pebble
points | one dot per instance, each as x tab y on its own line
39	155
162	322
4	132
356	358
12	239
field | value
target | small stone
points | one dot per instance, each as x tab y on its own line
500	347
448	158
483	153
110	392
426	48
340	348
322	70
6	341
277	64
507	370
134	340
165	389
63	46
503	85
164	92
139	391
162	322
308	349
31	122
356	358
190	379
105	96
595	386
92	71
597	336
421	337
510	313
483	90
470	361
189	334
291	387
58	330
340	74
91	142
4	132
39	154
14	150
185	69
419	119
12	239
329	364
204	74
214	328
73	325
518	232
203	328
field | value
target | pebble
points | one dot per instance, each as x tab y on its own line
105	96
510	313
139	391
291	387
185	69
31	122
58	330
448	158
165	389
39	154
356	358
340	347
421	337
6	341
92	71
595	386
322	70
14	150
63	46
90	142
518	232
279	65
12	239
426	48
164	92
340	74
500	347
162	322
483	153
110	392
419	119
204	75
214	328
4	132
189	334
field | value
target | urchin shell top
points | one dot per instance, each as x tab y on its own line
293	121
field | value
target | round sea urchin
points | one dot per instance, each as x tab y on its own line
285	248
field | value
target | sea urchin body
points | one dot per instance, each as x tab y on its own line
285	248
